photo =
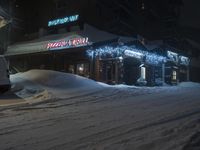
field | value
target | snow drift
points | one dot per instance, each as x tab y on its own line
189	84
56	79
35	83
47	84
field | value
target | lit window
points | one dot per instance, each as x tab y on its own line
174	75
143	6
83	69
80	69
71	69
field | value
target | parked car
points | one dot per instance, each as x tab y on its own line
4	75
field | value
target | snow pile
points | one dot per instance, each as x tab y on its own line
189	84
41	85
56	79
47	84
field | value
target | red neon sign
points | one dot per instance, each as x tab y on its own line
75	42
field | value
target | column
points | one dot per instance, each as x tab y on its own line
163	73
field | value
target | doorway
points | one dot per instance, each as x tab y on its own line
109	71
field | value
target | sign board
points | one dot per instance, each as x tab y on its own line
172	56
63	20
69	43
130	53
184	60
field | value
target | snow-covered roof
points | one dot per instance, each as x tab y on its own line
4	17
154	44
193	43
39	45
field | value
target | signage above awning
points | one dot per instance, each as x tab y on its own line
172	56
130	53
68	43
184	60
90	34
64	20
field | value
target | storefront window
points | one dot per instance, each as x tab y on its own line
71	69
80	69
83	69
174	75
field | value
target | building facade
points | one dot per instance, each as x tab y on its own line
106	60
73	47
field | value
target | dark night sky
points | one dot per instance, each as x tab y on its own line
191	13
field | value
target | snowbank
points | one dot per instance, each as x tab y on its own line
46	84
56	79
37	83
189	84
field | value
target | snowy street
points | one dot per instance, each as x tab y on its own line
99	75
99	117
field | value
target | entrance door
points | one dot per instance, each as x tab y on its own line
183	73
132	71
109	71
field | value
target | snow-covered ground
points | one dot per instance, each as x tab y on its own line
81	114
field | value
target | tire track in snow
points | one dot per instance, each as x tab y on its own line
121	132
193	143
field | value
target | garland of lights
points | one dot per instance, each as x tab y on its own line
108	51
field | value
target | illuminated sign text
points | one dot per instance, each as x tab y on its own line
74	42
172	56
63	20
184	60
133	54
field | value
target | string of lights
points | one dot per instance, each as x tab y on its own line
109	51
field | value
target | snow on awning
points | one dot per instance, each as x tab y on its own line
41	45
27	48
2	22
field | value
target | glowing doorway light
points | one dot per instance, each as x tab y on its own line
63	20
81	69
